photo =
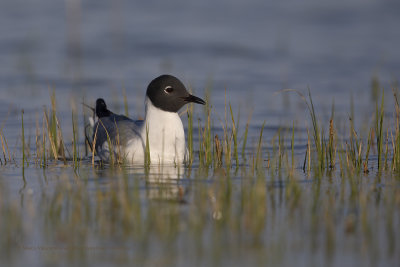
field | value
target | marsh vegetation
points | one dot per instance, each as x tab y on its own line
324	194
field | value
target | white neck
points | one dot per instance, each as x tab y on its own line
166	134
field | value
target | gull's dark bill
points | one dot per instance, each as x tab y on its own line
194	99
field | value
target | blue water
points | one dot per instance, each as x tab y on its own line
256	47
251	49
248	49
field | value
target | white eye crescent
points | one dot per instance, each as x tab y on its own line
168	89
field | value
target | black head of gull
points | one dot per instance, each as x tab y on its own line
167	93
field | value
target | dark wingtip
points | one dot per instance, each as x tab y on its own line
101	108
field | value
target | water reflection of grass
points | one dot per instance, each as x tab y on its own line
227	207
215	221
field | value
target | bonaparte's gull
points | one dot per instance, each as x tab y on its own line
161	129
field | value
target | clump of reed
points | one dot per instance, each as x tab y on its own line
325	150
352	152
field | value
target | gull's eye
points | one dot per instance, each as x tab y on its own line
168	89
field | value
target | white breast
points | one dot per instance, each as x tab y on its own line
165	134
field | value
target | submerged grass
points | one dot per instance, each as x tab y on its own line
23	139
4	149
75	151
396	138
379	129
190	134
234	136
147	160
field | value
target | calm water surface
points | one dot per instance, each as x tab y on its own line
244	51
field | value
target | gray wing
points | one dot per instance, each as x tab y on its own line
118	128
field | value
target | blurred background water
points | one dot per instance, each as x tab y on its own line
248	49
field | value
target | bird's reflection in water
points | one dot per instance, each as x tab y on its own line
160	182
165	182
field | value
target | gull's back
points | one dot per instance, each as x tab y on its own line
117	130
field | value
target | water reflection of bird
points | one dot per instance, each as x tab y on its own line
164	182
158	182
160	135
